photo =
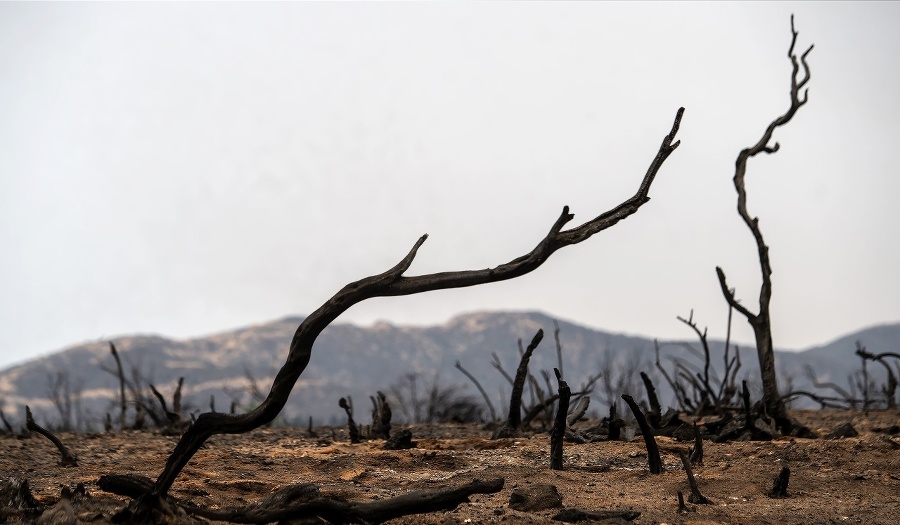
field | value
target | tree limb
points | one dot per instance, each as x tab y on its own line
393	283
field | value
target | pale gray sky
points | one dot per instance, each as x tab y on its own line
183	169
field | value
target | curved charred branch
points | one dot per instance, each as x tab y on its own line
514	418
487	400
814	380
499	366
393	283
653	459
760	321
68	458
172	416
579	411
558	432
655	410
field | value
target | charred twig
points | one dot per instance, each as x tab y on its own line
824	401
538	409
499	366
696	496
680	394
514	419
653	459
68	457
704	343
487	399
559	358
172	416
6	425
697	451
655	414
780	485
579	411
559	425
682	508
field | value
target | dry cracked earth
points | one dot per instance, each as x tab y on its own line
846	480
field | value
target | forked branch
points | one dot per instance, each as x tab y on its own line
393	283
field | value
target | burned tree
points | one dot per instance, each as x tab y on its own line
390	283
760	321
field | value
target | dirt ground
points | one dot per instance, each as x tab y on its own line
847	480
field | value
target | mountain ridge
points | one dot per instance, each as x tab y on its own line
349	359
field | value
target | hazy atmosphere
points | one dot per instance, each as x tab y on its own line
183	168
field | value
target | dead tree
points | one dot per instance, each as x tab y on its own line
390	283
760	321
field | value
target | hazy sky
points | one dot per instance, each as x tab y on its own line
183	169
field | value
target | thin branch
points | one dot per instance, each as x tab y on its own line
487	400
68	458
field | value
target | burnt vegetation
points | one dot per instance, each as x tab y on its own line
707	402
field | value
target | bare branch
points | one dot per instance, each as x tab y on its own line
392	283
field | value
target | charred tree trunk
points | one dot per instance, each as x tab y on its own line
391	283
558	433
514	419
760	321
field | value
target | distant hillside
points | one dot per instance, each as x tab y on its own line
356	361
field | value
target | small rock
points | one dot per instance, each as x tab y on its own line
400	441
844	431
537	497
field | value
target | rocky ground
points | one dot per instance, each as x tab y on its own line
846	480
